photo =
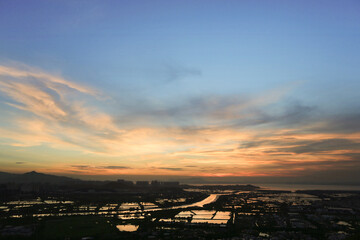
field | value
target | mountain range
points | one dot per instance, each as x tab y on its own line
34	177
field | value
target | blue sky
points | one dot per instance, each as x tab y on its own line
180	64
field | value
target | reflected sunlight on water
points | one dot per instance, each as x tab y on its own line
127	228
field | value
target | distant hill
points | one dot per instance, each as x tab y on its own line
34	177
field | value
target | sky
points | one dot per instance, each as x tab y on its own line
212	89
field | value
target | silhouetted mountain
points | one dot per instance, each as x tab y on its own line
34	177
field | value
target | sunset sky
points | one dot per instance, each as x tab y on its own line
186	88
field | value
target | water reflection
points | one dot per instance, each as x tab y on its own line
126	211
203	216
127	228
210	199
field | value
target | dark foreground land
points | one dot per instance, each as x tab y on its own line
123	210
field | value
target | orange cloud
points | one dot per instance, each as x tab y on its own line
50	80
54	114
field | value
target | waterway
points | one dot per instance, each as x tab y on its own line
210	199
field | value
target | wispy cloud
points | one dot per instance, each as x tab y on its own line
172	168
51	81
208	135
58	113
177	72
86	167
116	167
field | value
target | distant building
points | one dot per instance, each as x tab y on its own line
171	184
142	183
155	183
125	183
30	187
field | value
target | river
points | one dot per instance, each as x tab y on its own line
210	199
